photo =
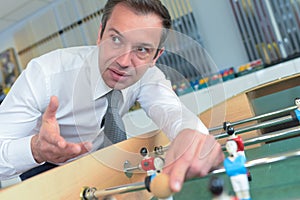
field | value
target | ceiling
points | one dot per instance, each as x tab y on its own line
13	11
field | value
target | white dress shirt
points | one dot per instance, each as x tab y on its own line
73	76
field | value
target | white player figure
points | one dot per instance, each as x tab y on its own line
151	164
235	168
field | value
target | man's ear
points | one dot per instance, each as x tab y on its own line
99	35
158	54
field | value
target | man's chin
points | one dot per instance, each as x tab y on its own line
117	85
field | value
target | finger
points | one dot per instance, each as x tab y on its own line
58	155
51	133
212	159
219	157
51	109
86	146
209	151
54	138
177	174
213	152
75	149
60	141
206	145
71	149
178	169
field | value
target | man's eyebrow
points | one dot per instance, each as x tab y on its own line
116	31
148	45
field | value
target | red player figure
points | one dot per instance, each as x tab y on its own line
239	141
151	164
235	168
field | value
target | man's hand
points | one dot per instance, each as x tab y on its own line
48	145
191	154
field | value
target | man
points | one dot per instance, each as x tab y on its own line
54	112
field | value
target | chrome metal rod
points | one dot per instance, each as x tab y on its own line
265	124
263	116
266	160
160	150
272	159
91	193
129	169
282	134
133	187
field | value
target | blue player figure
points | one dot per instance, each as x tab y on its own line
296	113
235	168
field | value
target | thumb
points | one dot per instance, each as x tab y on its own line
51	108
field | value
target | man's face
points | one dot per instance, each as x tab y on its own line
128	46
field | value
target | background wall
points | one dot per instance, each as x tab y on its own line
7	37
6	40
214	19
219	32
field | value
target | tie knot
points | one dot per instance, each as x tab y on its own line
113	97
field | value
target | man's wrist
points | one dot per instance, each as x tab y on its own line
34	150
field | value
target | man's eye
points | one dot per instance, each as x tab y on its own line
116	39
142	50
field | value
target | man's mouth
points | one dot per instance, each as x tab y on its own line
117	75
120	73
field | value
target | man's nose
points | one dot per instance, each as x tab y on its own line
125	59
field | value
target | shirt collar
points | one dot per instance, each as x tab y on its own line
98	86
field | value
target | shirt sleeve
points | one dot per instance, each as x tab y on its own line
20	115
164	107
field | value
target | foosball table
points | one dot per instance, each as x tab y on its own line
118	171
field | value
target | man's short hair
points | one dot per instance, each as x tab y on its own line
142	7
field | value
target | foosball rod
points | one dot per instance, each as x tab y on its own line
263	116
265	124
266	160
277	135
93	193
